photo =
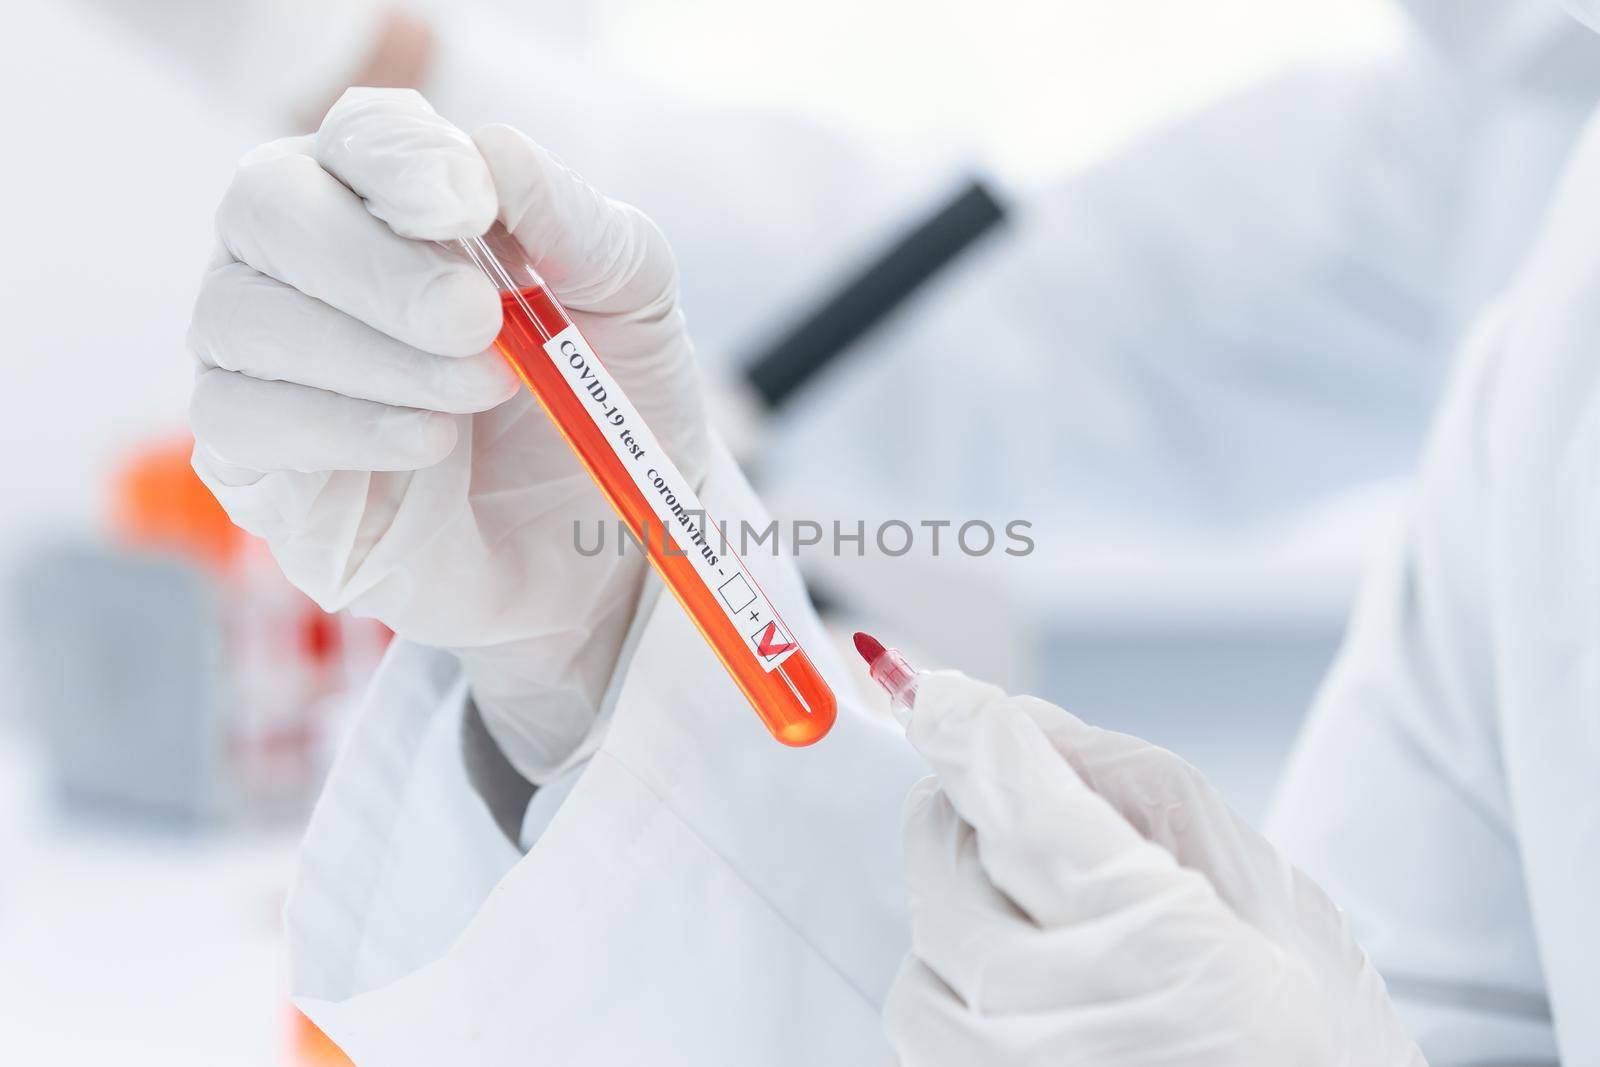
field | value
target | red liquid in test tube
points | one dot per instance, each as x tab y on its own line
592	412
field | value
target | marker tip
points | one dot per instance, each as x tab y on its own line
869	647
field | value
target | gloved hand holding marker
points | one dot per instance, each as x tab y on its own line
1081	896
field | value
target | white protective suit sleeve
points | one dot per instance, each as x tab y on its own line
1395	799
1444	791
703	896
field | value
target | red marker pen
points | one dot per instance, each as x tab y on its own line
890	669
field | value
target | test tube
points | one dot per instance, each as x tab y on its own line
652	497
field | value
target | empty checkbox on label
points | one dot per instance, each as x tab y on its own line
736	593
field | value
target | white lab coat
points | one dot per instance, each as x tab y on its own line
1447	789
703	895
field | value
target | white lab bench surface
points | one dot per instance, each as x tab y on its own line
127	945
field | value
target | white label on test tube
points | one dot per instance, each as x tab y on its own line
672	499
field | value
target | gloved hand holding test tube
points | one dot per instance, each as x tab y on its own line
351	409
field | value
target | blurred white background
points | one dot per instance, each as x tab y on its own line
1032	88
120	156
127	945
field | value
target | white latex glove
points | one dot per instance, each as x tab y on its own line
349	410
1080	896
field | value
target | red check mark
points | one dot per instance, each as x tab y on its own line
769	644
